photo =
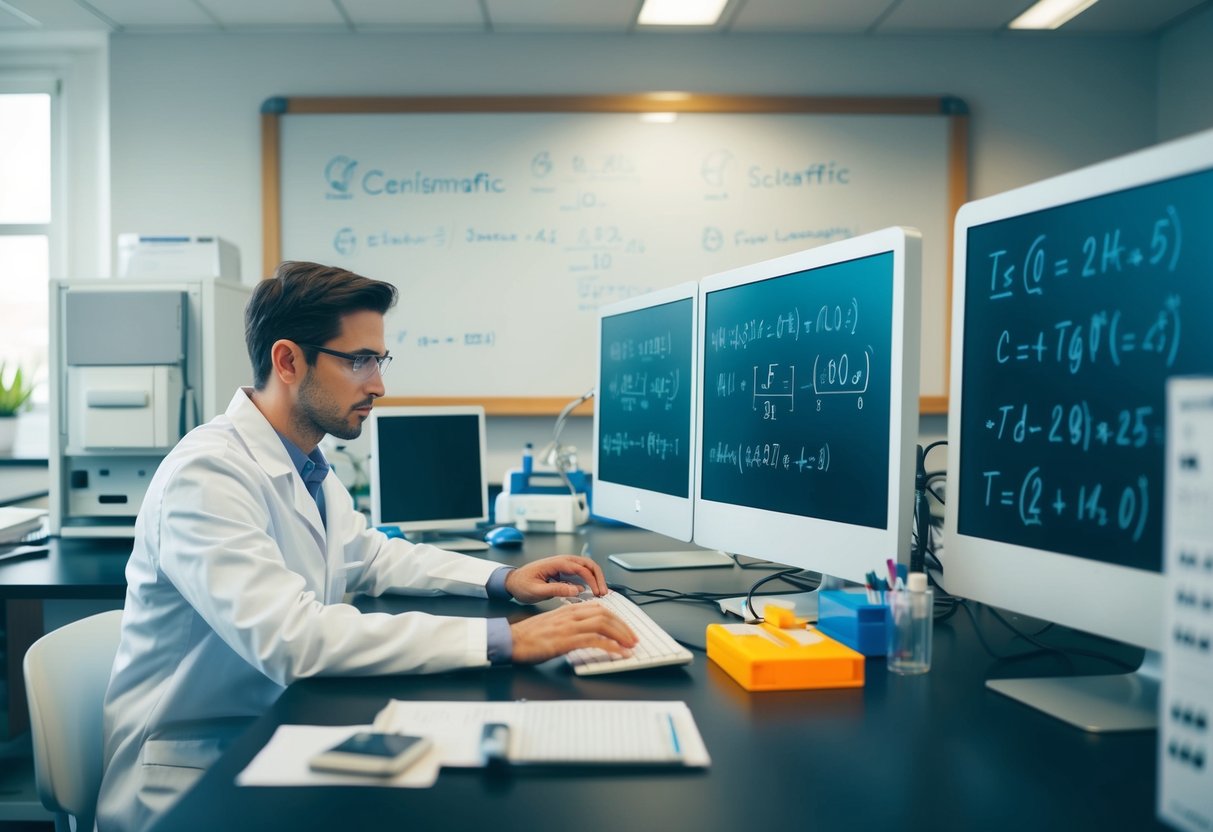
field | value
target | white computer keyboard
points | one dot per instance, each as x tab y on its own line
655	646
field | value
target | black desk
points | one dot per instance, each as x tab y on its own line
72	568
930	752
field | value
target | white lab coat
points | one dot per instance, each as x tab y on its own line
234	590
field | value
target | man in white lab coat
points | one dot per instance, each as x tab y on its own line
244	550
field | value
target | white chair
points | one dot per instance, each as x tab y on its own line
66	673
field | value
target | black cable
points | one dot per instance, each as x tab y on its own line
794	577
749	598
945	608
662	594
1042	648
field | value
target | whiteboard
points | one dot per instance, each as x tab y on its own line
504	231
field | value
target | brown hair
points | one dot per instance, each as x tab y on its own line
304	303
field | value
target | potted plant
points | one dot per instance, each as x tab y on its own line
14	394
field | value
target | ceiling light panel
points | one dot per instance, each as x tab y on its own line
1045	15
680	12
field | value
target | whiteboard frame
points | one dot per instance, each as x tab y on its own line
951	108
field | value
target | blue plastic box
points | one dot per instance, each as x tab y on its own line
850	618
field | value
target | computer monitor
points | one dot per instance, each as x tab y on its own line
808	406
644	420
1074	299
428	471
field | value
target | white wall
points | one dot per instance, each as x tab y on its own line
1185	77
186	142
185	131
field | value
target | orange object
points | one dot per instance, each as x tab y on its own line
768	657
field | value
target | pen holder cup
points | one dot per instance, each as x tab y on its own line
909	645
850	618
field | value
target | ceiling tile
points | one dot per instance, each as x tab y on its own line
368	15
538	15
49	14
803	16
761	17
1129	16
154	13
922	16
289	14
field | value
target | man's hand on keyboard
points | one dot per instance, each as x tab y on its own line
550	634
555	578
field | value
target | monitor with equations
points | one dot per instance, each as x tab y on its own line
644	421
808	406
428	472
1074	299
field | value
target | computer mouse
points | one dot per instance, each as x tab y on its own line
504	537
392	531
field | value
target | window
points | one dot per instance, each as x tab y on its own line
27	224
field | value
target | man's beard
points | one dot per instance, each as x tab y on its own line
318	411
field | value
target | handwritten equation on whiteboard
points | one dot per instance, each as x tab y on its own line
644	397
796	392
1075	317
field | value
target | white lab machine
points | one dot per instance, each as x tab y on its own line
135	365
172	255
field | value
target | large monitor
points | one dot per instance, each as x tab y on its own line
428	472
1074	299
644	420
808	406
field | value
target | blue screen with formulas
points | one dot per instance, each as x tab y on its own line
796	392
644	398
1074	317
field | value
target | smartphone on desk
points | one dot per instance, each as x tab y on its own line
366	752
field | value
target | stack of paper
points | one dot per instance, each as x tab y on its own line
16	523
581	732
577	732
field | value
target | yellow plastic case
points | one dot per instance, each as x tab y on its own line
767	657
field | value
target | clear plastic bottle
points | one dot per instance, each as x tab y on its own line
910	636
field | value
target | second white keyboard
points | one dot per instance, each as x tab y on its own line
655	647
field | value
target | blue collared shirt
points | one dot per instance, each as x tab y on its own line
313	468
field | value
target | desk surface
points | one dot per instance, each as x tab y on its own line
72	568
931	752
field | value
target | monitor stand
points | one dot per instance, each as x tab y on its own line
450	543
1120	702
691	559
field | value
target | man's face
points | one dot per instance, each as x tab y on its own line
332	397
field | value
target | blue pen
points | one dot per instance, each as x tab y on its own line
674	736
